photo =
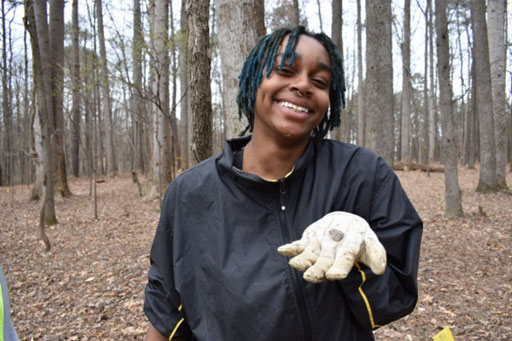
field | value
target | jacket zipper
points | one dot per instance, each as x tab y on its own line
296	284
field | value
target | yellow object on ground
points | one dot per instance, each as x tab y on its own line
444	335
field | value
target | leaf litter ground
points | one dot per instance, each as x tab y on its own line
91	285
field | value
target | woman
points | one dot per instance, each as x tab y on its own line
215	270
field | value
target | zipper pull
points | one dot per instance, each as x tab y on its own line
282	191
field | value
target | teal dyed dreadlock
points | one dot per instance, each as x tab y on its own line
263	56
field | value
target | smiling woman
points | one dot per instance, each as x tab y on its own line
294	99
218	266
279	48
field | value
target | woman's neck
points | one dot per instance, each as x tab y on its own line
270	160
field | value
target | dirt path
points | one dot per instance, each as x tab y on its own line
90	286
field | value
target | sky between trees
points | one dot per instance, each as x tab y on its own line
121	12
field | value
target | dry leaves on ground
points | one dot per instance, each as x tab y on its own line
91	285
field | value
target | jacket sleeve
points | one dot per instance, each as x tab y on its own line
378	300
162	303
7	331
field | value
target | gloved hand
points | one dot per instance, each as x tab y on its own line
330	246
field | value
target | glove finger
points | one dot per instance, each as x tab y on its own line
374	255
347	252
307	257
316	273
294	248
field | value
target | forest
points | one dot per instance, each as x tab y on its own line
105	102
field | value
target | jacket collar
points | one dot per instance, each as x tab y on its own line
226	159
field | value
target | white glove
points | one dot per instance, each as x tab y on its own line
330	246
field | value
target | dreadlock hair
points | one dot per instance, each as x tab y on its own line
262	58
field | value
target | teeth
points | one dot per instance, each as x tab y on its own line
294	107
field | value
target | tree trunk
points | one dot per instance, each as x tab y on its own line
75	77
199	72
88	110
176	147
432	123
469	137
42	59
7	143
97	136
406	85
137	100
36	149
320	15
106	102
163	160
496	11
361	113
510	136
219	125
184	90
295	17
341	133
472	119
240	24
56	27
452	190
27	99
424	126
472	111
487	177
463	105
379	79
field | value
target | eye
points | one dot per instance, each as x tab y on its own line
284	71
321	83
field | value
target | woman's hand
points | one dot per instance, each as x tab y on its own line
330	246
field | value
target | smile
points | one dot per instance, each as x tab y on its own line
293	107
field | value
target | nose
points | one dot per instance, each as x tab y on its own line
301	84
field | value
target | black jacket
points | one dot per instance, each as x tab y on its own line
215	271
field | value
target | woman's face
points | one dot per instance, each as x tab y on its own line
293	101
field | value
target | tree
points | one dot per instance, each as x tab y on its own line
56	29
7	150
466	117
320	15
471	130
106	100
199	77
36	151
432	104
343	132
284	13
452	190
406	85
162	153
176	146
186	122
379	71
240	24
75	77
137	98
361	112
424	127
470	124
47	93
487	180
88	89
337	24
496	12
295	13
